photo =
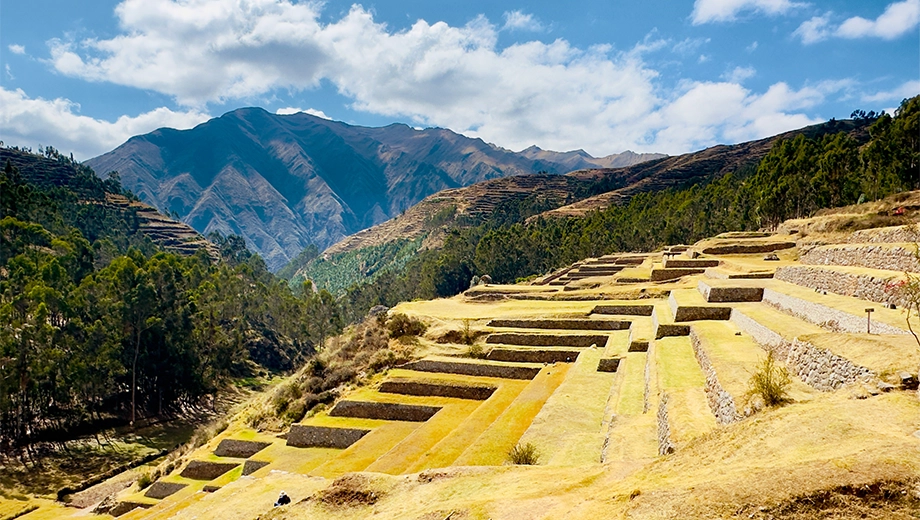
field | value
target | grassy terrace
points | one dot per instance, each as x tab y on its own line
491	447
567	430
679	375
880	353
735	358
848	304
633	434
618	343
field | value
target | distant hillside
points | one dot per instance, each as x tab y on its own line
167	232
286	182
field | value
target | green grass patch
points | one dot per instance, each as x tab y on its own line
630	400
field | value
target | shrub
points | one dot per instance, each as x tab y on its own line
295	411
770	382
401	325
524	454
476	351
144	481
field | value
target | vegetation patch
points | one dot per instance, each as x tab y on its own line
525	454
881	500
349	491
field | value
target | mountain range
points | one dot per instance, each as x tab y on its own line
284	182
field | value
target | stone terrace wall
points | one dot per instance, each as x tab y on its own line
547	340
303	436
866	287
206	470
562	324
458	391
384	411
824	316
665	445
818	368
873	257
239	449
720	401
891	235
473	369
532	355
624	310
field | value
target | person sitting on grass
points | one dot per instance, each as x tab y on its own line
283	499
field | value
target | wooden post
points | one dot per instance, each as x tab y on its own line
869	320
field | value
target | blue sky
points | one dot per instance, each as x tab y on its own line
605	76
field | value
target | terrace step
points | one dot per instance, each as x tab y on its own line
384	411
568	426
723	274
888	256
683	410
858	282
431	388
624	310
308	436
832	312
547	340
717	293
631	430
660	275
473	368
683	263
533	355
689	305
664	326
561	324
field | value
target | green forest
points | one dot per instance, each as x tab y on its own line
103	327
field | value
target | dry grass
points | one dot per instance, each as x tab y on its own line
679	375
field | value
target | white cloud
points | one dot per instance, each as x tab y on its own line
898	19
292	110
689	46
521	21
9	73
739	74
905	90
752	47
551	94
29	122
706	11
16	49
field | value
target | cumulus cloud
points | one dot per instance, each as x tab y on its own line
739	74
551	94
905	90
707	11
898	19
292	110
16	49
26	121
520	21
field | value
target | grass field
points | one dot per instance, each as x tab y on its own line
679	375
492	446
568	430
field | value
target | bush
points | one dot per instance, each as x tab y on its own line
401	325
145	481
770	382
477	352
524	454
295	411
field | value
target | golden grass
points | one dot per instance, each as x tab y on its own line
630	399
679	375
423	439
363	453
617	344
492	446
787	326
883	354
568	429
445	452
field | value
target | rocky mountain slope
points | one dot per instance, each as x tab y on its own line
284	182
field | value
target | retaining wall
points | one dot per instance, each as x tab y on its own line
473	369
239	449
608	364
693	263
533	355
206	470
475	392
547	340
160	490
866	287
721	275
741	249
304	436
871	256
251	466
730	294
659	275
624	310
720	401
816	367
384	411
562	324
665	445
893	235
826	317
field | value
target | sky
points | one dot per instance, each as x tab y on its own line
604	76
